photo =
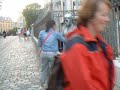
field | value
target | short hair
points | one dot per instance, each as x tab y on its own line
49	24
89	9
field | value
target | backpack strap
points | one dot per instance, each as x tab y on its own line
103	46
79	39
46	38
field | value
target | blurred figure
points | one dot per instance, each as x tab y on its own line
19	32
28	34
89	69
4	34
24	33
48	42
67	27
68	24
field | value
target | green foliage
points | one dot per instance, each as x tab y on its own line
31	13
14	29
12	32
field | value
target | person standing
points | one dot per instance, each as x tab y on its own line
4	34
28	34
92	69
48	43
24	33
19	32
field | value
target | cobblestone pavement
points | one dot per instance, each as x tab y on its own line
19	64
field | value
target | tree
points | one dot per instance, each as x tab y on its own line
12	32
31	13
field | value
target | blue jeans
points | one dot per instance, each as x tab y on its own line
46	61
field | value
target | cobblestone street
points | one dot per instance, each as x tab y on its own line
19	64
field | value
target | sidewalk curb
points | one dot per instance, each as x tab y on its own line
35	41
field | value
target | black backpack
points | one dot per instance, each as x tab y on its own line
56	79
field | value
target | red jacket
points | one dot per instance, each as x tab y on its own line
86	70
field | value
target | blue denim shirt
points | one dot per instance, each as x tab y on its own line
51	44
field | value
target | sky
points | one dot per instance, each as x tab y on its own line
14	8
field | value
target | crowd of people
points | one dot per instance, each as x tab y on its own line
23	33
87	60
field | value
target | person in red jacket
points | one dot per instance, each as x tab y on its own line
85	69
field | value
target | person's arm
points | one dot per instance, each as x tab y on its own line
60	37
77	68
39	40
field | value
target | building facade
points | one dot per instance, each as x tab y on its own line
21	22
6	24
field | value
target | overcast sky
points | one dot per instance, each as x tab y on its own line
13	8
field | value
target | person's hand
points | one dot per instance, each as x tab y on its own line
58	53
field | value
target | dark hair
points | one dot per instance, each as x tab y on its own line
88	10
50	23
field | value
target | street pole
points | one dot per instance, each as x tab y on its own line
63	10
52	11
73	10
118	18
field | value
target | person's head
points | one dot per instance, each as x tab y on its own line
68	20
50	24
94	13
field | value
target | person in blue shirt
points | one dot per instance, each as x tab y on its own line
48	43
